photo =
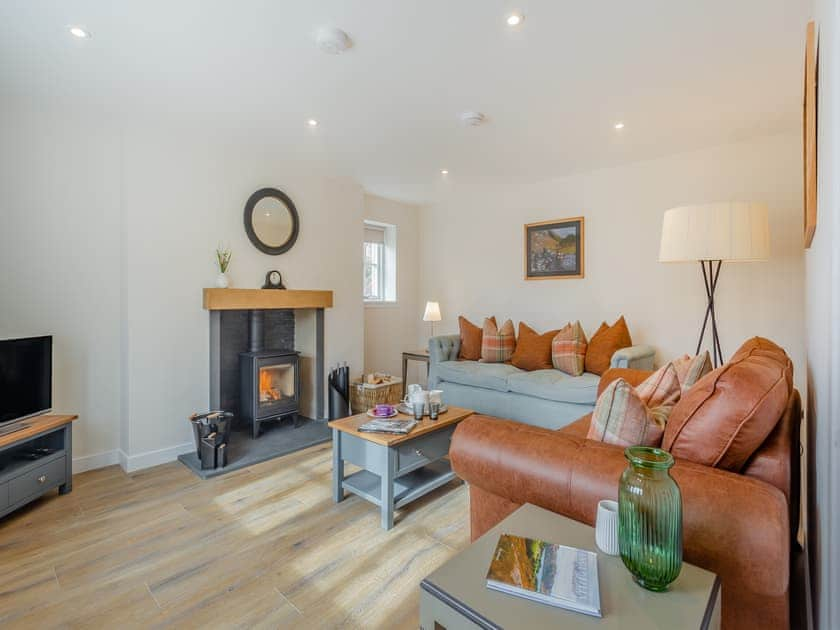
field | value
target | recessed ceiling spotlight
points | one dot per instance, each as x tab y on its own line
332	40
619	125
514	19
78	31
443	171
312	122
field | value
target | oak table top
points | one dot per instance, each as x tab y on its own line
351	425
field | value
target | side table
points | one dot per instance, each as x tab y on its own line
456	595
413	355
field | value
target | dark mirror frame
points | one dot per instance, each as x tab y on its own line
252	202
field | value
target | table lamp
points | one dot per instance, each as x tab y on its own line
432	314
710	234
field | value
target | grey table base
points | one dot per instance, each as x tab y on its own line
455	596
391	476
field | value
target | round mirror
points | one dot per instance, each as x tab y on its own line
271	221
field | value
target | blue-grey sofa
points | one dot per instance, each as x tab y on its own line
544	398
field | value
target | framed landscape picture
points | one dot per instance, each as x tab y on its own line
554	249
809	134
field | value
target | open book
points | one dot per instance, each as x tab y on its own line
544	572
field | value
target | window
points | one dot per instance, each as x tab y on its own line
380	262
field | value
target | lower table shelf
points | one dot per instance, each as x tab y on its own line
407	488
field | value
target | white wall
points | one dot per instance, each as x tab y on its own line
60	263
476	265
823	337
107	239
391	329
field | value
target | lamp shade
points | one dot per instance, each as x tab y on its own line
720	231
432	313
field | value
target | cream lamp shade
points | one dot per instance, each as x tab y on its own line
734	231
432	313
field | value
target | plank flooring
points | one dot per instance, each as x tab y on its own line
262	547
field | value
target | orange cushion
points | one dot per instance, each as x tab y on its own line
470	339
628	416
727	415
497	344
604	344
533	350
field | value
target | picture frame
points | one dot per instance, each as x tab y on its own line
809	135
554	250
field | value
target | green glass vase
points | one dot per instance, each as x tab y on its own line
650	518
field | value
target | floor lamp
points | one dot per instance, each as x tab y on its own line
712	234
432	314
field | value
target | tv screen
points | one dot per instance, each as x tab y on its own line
25	377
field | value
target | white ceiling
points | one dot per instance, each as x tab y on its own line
681	74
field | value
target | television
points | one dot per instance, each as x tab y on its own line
25	377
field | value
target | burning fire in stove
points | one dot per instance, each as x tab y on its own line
268	388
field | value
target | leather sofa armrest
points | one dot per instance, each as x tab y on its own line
634	357
634	377
733	525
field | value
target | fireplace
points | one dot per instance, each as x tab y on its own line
270	386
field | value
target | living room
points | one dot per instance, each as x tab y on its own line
416	154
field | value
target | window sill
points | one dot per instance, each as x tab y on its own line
381	304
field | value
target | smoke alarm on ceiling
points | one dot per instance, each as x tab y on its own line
332	40
472	119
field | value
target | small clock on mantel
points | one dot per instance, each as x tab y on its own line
273	280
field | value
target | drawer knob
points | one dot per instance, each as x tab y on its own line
42	479
417	451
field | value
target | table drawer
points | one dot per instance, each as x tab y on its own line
424	450
34	481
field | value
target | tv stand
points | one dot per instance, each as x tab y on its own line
13	428
36	456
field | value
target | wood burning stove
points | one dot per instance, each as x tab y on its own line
270	386
270	380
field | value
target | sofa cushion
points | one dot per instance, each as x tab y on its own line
568	349
727	415
759	346
628	416
533	350
487	375
497	344
692	369
603	345
470	339
555	385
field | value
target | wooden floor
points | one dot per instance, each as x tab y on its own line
261	547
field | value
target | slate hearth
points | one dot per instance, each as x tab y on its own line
277	439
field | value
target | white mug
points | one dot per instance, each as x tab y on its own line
606	527
420	396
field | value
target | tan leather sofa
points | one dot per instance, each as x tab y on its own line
740	524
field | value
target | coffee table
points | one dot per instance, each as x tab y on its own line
396	469
456	596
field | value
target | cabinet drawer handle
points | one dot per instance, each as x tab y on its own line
417	451
42	479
